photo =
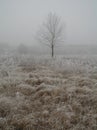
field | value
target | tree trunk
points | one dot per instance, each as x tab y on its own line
52	51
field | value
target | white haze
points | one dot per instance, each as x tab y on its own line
20	20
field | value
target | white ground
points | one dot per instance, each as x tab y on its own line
39	93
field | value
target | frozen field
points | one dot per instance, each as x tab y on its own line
38	93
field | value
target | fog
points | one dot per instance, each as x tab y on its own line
48	64
21	19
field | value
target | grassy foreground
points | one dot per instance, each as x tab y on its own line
48	95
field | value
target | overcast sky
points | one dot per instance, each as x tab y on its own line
20	19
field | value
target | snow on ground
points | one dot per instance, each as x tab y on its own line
39	93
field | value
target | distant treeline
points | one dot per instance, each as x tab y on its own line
37	50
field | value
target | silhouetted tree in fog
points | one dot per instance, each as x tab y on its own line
22	49
51	32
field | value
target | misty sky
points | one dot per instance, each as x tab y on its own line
20	19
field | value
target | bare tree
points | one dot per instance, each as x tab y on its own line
51	32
